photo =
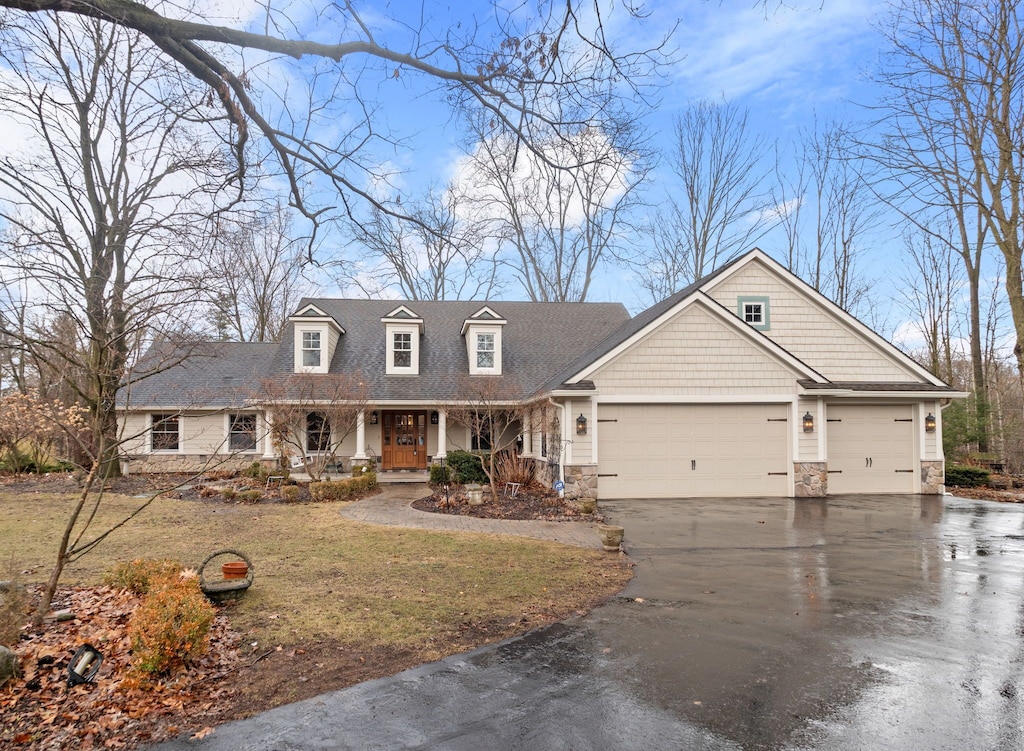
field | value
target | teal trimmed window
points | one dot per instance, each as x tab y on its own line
754	311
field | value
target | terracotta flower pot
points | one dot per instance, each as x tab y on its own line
235	569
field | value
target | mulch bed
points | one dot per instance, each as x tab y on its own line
532	502
987	494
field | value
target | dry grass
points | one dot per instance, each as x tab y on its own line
319	576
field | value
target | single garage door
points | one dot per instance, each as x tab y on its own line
871	449
692	450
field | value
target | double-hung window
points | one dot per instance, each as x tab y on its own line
311	349
242	432
485	350
164	432
402	349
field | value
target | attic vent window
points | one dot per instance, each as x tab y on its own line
311	349
754	312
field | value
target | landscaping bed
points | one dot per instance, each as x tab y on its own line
530	502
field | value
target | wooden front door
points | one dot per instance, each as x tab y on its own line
404	439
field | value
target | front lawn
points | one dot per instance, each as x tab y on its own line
344	601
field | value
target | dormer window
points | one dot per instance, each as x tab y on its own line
753	311
311	349
483	341
402	350
316	339
402	331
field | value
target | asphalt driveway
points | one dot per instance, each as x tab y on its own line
860	622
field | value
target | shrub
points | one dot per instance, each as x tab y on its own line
511	467
250	496
291	493
256	471
439	474
228	493
343	490
466	467
205	491
143	574
170	627
966	477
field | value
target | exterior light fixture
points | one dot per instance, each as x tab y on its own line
929	423
373	417
808	422
581	425
84	665
433	417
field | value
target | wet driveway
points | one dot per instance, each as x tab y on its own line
860	622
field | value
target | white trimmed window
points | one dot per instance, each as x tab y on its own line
311	349
165	432
402	351
242	432
485	350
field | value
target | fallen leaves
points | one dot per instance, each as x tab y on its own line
118	710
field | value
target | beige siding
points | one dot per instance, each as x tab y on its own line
582	445
694	353
808	443
204	433
810	332
135	427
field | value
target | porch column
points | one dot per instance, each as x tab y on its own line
527	433
266	421
360	435
442	434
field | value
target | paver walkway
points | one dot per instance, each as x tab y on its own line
392	508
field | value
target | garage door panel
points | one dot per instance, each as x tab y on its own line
871	449
665	451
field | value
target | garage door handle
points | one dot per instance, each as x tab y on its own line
693	464
868	461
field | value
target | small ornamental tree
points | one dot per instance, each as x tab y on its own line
491	407
31	429
311	415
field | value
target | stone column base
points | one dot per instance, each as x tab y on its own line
810	479
581	481
933	478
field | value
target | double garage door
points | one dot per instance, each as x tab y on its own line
693	450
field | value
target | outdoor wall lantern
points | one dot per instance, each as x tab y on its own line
808	422
433	417
84	665
929	423
373	417
581	425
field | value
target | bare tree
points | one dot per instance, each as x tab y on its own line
535	73
100	214
561	213
825	211
311	415
256	274
952	125
720	205
491	407
440	255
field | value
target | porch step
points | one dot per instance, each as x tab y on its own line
392	477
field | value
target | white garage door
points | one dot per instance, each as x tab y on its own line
692	450
871	449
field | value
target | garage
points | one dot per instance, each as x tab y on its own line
693	450
871	449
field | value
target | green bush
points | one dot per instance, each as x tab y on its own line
256	471
228	493
966	477
343	490
170	627
291	493
143	574
466	467
250	496
439	474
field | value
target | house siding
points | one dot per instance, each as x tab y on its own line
808	330
694	353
